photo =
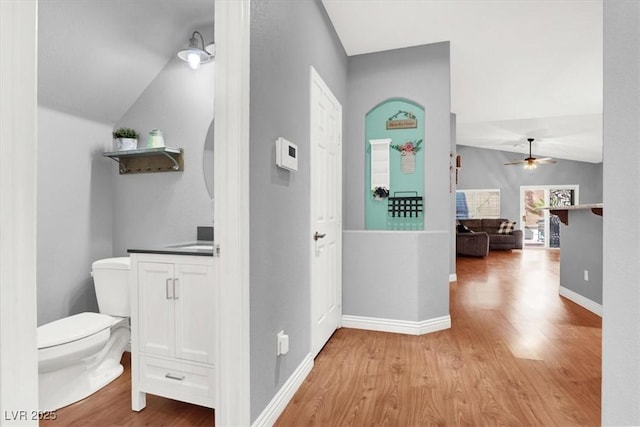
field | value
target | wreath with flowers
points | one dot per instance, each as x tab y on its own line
408	147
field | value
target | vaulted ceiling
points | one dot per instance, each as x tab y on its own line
95	58
519	69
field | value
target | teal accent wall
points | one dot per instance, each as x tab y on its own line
376	215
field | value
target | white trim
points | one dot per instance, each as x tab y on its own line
18	189
274	409
231	213
453	277
397	326
584	302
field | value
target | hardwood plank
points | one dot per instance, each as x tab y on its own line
517	354
111	406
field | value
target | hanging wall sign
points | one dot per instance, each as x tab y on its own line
402	120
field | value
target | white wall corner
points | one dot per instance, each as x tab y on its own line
397	326
274	409
231	212
584	302
18	219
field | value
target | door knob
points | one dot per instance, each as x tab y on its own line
317	236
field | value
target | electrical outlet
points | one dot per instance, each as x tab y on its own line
586	275
282	346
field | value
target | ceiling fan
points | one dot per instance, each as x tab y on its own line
532	162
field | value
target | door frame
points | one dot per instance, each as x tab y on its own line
18	204
231	213
18	115
315	78
545	188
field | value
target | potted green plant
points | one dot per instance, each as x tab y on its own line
125	139
380	193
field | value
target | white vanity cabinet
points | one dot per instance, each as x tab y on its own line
172	328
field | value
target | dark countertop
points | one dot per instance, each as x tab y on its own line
188	248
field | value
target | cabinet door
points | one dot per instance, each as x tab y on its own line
156	308
194	312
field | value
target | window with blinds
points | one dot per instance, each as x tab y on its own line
477	204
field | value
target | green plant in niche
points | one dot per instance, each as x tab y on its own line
380	193
125	133
408	147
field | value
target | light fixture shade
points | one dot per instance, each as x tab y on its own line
189	54
211	49
195	55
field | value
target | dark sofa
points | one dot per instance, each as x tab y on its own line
491	226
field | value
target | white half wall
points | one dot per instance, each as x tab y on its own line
400	275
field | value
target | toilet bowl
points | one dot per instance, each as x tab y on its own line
80	354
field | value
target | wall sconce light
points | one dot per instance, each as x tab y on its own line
195	55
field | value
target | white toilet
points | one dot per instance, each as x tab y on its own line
80	354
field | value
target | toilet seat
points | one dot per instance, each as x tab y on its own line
65	341
72	328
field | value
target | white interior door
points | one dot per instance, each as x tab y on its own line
326	213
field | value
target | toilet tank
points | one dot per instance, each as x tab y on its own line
111	280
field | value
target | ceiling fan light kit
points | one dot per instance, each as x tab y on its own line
531	162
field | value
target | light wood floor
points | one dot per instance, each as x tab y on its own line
517	354
111	406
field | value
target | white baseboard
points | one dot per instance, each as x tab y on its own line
270	414
453	277
592	306
397	326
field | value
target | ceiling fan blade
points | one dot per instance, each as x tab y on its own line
516	162
546	160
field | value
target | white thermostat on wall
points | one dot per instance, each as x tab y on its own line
286	154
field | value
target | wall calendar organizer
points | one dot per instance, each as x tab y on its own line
405	206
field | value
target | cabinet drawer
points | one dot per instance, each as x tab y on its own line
177	380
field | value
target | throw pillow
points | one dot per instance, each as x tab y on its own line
507	227
464	229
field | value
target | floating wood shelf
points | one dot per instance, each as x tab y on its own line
146	160
563	211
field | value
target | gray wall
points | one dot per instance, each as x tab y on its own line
621	318
286	39
420	74
395	275
74	211
452	198
582	250
159	208
482	168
